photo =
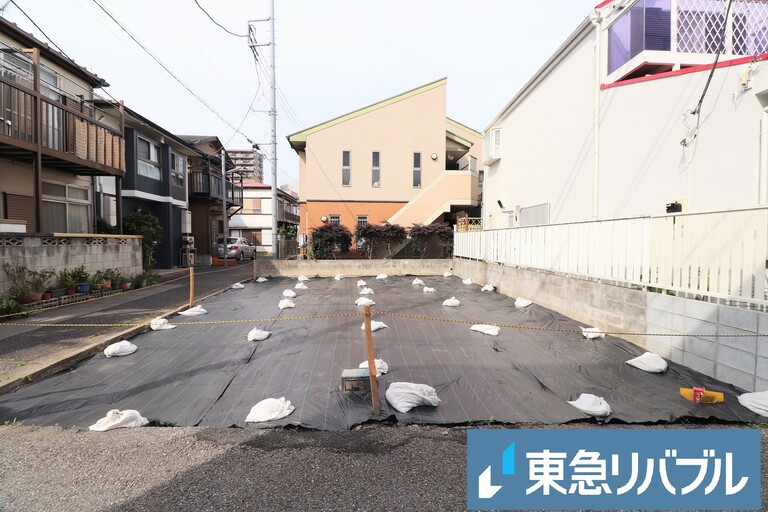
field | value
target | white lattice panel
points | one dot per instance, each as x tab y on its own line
700	24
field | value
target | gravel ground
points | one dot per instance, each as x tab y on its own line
200	469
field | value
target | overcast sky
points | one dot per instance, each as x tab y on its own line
333	57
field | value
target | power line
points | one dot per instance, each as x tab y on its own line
217	23
168	70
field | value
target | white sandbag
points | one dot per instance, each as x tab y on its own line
303	278
289	294
427	289
521	303
159	323
467	280
366	291
649	362
592	405
270	409
381	276
286	303
488	288
301	286
121	348
447	274
339	277
491	330
375	325
257	334
360	282
453	302
238	286
404	396
592	333
262	280
119	419
195	311
417	282
381	366
756	402
364	301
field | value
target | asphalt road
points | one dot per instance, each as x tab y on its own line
374	468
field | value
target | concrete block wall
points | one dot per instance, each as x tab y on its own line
686	331
97	252
353	268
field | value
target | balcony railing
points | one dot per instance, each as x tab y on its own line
70	139
206	185
285	216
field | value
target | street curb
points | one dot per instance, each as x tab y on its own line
67	358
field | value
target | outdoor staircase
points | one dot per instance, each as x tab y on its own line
451	188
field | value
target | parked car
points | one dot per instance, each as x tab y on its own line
237	247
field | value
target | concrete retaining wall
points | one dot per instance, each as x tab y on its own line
352	268
96	252
692	326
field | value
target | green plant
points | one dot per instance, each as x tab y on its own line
9	306
80	274
148	226
329	239
143	279
38	279
422	235
104	227
392	235
20	277
370	237
287	231
13	423
96	278
66	278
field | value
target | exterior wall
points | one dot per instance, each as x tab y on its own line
352	268
312	212
396	131
696	330
95	252
548	134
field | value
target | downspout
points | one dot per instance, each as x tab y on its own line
762	174
596	19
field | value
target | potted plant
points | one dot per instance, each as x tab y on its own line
67	281
106	275
21	289
117	278
96	281
38	282
81	276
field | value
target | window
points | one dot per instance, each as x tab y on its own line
252	205
375	170
417	170
178	169
492	146
472	164
362	220
65	208
646	25
345	169
148	161
335	218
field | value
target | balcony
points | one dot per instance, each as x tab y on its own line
68	139
204	185
287	217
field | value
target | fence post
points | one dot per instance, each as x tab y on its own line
371	363
254	267
191	286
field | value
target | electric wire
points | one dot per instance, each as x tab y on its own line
167	69
217	23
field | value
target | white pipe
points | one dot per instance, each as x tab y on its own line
596	20
762	174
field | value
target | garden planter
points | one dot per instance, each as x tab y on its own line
47	296
115	286
83	288
25	300
38	296
59	292
124	286
70	291
107	284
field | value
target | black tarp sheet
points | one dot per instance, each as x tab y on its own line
209	374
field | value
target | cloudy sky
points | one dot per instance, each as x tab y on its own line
333	56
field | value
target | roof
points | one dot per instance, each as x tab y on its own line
298	140
28	40
463	126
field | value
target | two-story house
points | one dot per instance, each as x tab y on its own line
155	180
254	221
207	186
400	160
53	143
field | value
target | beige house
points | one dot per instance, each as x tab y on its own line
400	160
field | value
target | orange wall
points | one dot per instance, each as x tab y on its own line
348	210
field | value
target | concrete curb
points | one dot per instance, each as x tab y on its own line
67	358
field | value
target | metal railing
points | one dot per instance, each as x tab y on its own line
205	184
717	254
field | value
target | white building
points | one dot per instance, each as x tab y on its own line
608	127
254	220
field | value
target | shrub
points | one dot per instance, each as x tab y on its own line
329	239
422	235
392	235
148	226
370	236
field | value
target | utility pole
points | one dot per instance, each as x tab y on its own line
272	113
224	203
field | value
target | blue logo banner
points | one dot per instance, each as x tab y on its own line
599	469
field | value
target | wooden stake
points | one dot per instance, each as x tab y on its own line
371	363
254	268
191	286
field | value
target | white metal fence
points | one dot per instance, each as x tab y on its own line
716	254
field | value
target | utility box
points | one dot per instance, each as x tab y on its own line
355	379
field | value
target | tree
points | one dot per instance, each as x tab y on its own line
391	235
329	239
371	234
422	235
146	225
